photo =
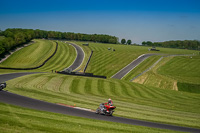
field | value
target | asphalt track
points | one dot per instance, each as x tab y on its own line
129	67
79	58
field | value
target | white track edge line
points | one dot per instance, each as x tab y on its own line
134	67
126	66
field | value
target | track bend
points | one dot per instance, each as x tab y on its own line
79	58
129	67
14	99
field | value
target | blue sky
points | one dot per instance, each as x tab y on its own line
138	20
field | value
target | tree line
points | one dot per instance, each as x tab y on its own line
186	44
16	37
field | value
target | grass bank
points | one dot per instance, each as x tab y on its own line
132	100
63	58
31	56
17	119
108	62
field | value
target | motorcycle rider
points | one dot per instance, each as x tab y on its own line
106	108
103	105
110	102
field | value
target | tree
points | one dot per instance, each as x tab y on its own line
143	43
123	41
2	49
149	43
129	42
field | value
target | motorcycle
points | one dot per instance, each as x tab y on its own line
105	109
2	86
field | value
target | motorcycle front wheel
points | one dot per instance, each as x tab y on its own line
97	111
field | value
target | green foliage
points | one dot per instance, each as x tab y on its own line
2	49
123	41
129	42
186	44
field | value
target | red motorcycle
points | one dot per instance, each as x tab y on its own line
105	109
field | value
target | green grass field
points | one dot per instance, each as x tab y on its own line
17	119
31	56
63	58
153	99
107	62
132	100
178	73
183	69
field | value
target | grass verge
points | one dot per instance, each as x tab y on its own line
132	100
17	119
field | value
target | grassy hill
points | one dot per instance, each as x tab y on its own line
132	100
31	56
177	73
185	70
153	99
36	53
107	62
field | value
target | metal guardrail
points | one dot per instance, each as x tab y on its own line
88	62
82	74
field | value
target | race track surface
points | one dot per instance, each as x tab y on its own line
129	67
14	99
79	58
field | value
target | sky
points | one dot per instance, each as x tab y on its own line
137	20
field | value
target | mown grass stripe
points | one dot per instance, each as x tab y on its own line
101	87
74	86
88	87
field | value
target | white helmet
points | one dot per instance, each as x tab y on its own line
109	99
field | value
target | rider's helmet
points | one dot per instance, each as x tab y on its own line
109	100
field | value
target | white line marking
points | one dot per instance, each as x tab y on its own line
134	67
127	65
76	56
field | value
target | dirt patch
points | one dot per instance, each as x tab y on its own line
175	87
141	79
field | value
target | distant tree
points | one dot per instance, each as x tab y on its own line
123	41
2	49
143	43
149	43
1	33
129	42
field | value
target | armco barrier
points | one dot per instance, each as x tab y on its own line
82	74
88	62
36	66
